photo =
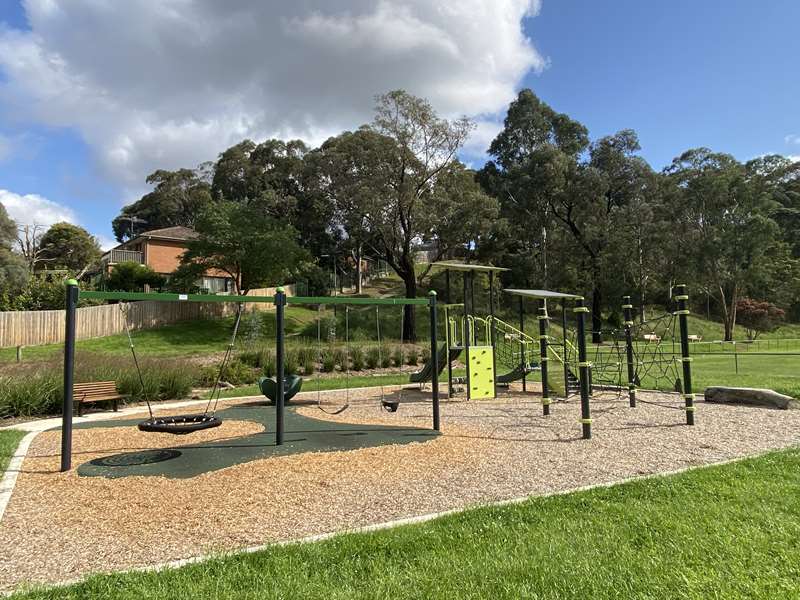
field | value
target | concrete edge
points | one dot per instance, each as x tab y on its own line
9	479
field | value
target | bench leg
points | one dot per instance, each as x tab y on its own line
115	406
80	408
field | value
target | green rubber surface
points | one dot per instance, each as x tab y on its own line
184	459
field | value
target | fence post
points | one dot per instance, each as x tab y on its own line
69	374
585	369
682	297
280	304
627	311
542	316
435	362
19	354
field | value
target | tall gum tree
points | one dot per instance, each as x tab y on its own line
397	181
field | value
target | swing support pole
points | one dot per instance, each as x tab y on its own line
69	375
280	306
434	362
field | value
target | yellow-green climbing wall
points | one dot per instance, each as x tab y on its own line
481	372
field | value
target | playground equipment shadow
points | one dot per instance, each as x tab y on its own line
303	434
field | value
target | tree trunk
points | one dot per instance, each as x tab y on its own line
359	275
409	321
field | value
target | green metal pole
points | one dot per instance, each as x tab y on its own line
683	311
466	332
522	342
280	305
69	374
565	356
543	356
585	369
493	332
434	363
627	311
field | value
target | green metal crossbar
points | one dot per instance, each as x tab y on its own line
168	297
351	301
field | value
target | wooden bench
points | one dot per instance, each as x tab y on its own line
96	391
651	337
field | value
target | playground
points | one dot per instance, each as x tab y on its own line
163	482
371	467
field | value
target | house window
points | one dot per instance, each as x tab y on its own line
216	285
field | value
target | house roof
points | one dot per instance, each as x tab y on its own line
178	233
171	233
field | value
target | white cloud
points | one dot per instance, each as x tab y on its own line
106	243
32	209
172	83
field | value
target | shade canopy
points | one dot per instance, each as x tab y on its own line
456	266
540	294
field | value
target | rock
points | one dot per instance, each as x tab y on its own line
750	396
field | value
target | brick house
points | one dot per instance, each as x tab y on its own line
161	250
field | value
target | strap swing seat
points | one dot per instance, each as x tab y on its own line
180	424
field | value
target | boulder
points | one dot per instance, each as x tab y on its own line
750	396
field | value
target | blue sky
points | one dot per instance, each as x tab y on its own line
683	74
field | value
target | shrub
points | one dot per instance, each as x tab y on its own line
397	356
357	358
328	361
236	372
29	396
373	358
309	366
341	359
268	368
291	365
37	390
426	355
412	356
386	360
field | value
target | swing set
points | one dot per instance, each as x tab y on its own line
183	424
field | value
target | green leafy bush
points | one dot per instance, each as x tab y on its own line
341	359
328	361
373	358
412	356
37	389
397	356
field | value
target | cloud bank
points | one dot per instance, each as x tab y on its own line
172	83
32	209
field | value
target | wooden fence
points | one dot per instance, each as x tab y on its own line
32	328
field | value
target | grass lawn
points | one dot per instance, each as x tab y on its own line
692	535
9	440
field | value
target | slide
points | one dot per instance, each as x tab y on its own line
442	358
517	373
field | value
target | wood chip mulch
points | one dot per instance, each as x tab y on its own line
59	526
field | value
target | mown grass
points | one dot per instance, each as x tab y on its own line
9	440
727	532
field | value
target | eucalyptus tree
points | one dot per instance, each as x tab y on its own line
397	182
